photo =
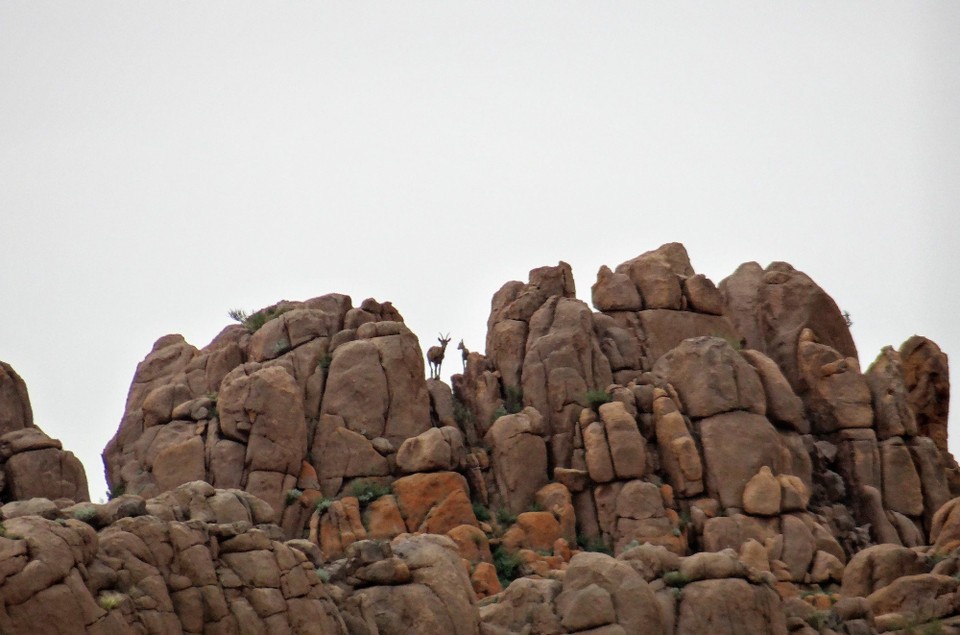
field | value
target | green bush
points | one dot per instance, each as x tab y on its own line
85	514
323	574
117	490
254	321
593	544
462	414
675	579
481	512
324	364
368	491
504	517
324	504
507	565
499	412
513	399
596	398
293	495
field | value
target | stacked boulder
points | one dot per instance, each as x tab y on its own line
32	465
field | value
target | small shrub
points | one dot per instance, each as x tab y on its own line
481	512
462	414
254	321
368	491
504	517
324	504
3	531
513	399
238	315
675	579
596	398
477	539
324	364
507	565
499	412
116	490
934	559
281	345
323	574
847	319
293	495
593	544
535	507
676	532
684	519
109	600
823	619
85	514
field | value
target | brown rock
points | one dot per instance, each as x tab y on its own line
637	610
702	295
926	596
735	446
730	607
664	330
627	446
615	292
740	292
599	462
678	451
437	449
48	473
519	458
563	361
933	479
761	494
15	410
927	380
877	566
356	389
784	407
890	398
710	378
901	484
835	393
786	302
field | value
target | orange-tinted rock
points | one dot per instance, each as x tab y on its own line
472	543
434	502
383	519
484	580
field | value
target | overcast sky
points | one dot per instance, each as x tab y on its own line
164	162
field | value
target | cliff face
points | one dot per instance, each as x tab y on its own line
299	474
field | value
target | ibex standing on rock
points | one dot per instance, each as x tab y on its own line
464	353
435	355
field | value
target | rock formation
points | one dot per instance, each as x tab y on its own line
686	457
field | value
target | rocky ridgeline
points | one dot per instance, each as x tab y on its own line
686	458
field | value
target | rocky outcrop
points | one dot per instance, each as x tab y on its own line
687	457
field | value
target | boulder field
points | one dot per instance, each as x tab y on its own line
681	458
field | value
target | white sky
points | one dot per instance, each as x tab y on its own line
162	163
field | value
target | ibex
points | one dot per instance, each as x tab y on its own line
435	355
464	353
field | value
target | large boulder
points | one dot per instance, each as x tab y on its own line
772	308
710	378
